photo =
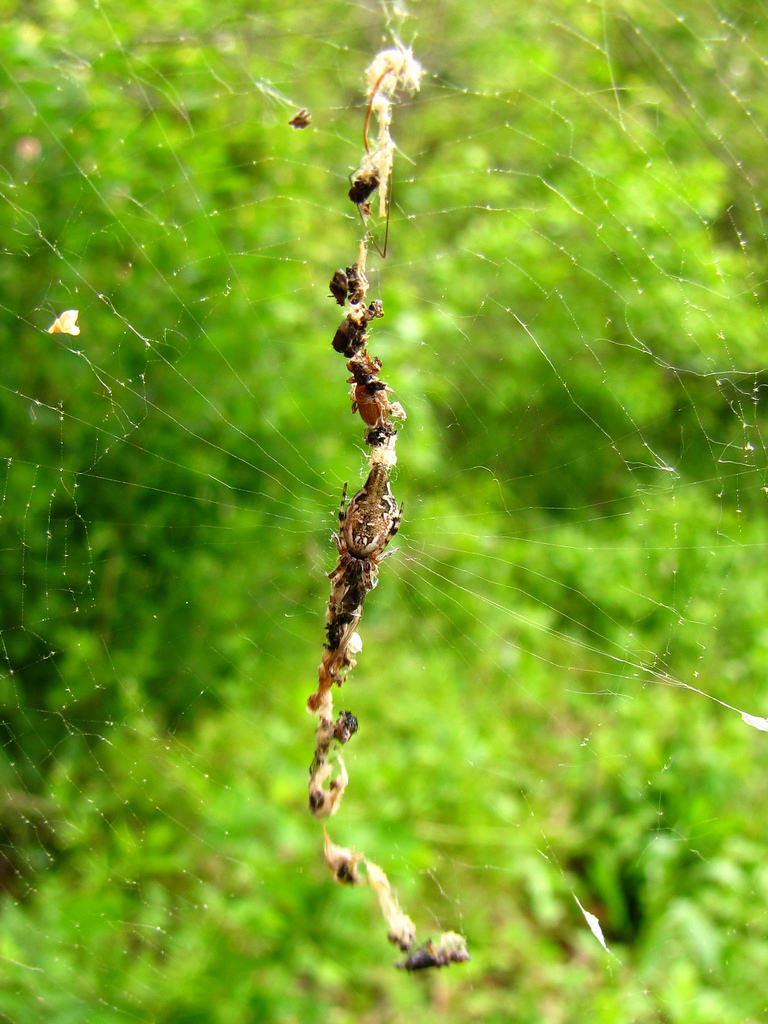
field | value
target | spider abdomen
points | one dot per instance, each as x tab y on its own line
372	518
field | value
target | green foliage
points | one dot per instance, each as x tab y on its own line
575	323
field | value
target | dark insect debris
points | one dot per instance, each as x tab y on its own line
301	120
451	949
346	727
363	187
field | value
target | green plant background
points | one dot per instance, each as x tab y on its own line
575	323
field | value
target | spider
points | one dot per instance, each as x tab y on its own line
367	526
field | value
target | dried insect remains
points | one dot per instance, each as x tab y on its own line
301	120
367	524
364	184
390	70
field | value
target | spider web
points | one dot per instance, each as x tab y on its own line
561	693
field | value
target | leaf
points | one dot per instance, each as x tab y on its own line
755	721
66	323
594	925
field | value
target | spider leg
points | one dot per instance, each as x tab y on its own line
370	108
342	513
371	576
382	252
396	522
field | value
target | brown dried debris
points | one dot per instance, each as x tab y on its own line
301	120
451	948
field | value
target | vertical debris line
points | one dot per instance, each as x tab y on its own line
371	518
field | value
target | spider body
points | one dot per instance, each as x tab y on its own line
372	518
366	527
